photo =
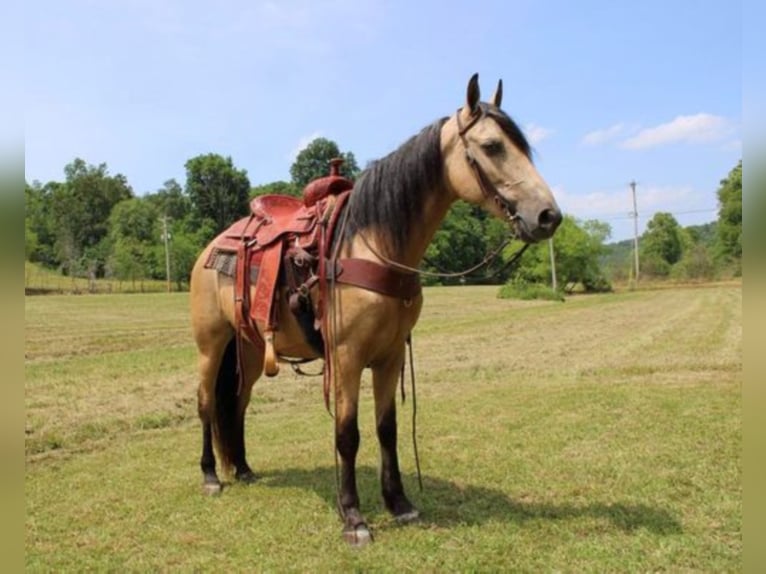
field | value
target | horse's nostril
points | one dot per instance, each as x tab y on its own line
549	218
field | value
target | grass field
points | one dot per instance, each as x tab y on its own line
602	434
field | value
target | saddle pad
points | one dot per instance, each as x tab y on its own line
225	262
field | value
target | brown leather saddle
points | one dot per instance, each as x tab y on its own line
286	241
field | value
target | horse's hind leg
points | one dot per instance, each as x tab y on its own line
252	360
222	407
209	363
384	378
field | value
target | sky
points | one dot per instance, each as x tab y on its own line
608	92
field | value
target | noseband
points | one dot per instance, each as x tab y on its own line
487	187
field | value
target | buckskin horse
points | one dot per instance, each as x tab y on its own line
354	248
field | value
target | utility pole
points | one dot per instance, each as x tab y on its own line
635	228
553	264
165	237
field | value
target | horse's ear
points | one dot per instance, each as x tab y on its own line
472	96
497	98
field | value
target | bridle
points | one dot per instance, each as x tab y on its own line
489	190
487	187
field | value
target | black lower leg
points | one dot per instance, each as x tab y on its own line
207	461
242	470
390	477
347	443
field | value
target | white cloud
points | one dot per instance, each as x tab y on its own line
699	128
303	142
535	134
598	137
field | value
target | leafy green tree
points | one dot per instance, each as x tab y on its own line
578	250
39	223
696	263
185	245
171	200
661	245
278	188
80	209
458	243
729	229
134	234
314	161
136	218
30	240
218	191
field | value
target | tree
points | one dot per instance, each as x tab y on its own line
458	244
80	209
134	234
171	200
314	161
661	245
578	249
729	229
217	190
30	240
185	245
465	237
40	229
696	263
277	187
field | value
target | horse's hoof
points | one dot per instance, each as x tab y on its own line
407	517
357	536
211	488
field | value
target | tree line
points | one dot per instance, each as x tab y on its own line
92	224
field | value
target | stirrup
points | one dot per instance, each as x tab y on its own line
270	364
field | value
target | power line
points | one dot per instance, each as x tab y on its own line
614	217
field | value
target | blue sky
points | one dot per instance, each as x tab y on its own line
607	92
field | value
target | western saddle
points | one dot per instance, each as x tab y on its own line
287	241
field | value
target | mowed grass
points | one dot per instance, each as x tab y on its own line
601	434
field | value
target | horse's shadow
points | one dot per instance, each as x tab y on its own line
444	503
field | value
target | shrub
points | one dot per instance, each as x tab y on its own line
520	289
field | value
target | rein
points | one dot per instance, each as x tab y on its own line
486	261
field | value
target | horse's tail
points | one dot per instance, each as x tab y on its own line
228	419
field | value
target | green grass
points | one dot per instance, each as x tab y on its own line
598	435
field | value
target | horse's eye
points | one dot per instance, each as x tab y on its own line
492	147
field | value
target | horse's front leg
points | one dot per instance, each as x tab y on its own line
384	379
355	529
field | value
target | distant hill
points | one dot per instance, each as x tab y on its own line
704	234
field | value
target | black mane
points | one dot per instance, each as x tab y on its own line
390	194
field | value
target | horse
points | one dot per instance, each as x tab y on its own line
478	155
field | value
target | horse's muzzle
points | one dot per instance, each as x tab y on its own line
548	220
537	227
